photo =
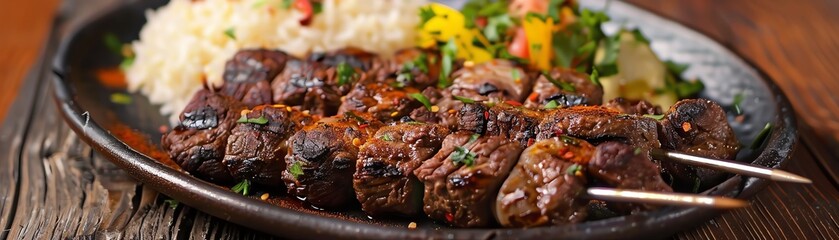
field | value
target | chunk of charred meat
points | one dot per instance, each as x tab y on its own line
384	101
624	167
498	79
314	86
257	145
198	142
409	67
462	179
515	123
544	186
355	58
447	108
634	107
599	124
698	127
248	74
565	88
384	180
322	160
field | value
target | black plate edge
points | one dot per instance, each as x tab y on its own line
160	177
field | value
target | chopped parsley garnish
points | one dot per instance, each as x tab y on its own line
121	98
595	76
473	138
573	169
608	66
516	74
463	99
551	105
126	62
419	63
637	151
559	84
449	52
761	136
317	7
422	99
654	116
686	89
675	68
296	169
357	118
568	140
496	26
243	187
345	73
426	13
462	156
261	120
386	137
736	104
172	203
113	43
639	37
230	32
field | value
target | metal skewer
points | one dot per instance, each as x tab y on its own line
730	166
680	199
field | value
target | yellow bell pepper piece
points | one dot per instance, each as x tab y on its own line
539	36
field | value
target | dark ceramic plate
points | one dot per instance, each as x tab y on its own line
86	106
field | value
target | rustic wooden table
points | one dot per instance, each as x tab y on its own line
54	186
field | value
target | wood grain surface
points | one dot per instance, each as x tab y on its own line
53	186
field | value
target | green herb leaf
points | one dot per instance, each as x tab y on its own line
573	169
496	26
516	74
553	9
121	98
243	187
473	138
462	156
357	118
346	73
172	203
113	43
675	68
551	105
296	169
386	137
449	52
230	32
637	151
559	84
686	89
426	13
654	116
464	99
736	104
639	37
531	15
761	136
595	76
422	99
126	62
286	4
569	140
317	7
261	120
608	66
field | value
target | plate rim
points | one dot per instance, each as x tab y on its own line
252	213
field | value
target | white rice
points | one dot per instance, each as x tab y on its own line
185	42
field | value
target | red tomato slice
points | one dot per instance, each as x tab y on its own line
518	47
305	7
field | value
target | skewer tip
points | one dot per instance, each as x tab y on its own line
681	199
781	175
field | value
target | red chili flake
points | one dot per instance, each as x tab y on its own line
486	115
530	142
514	103
362	126
449	217
533	97
562	150
559	132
